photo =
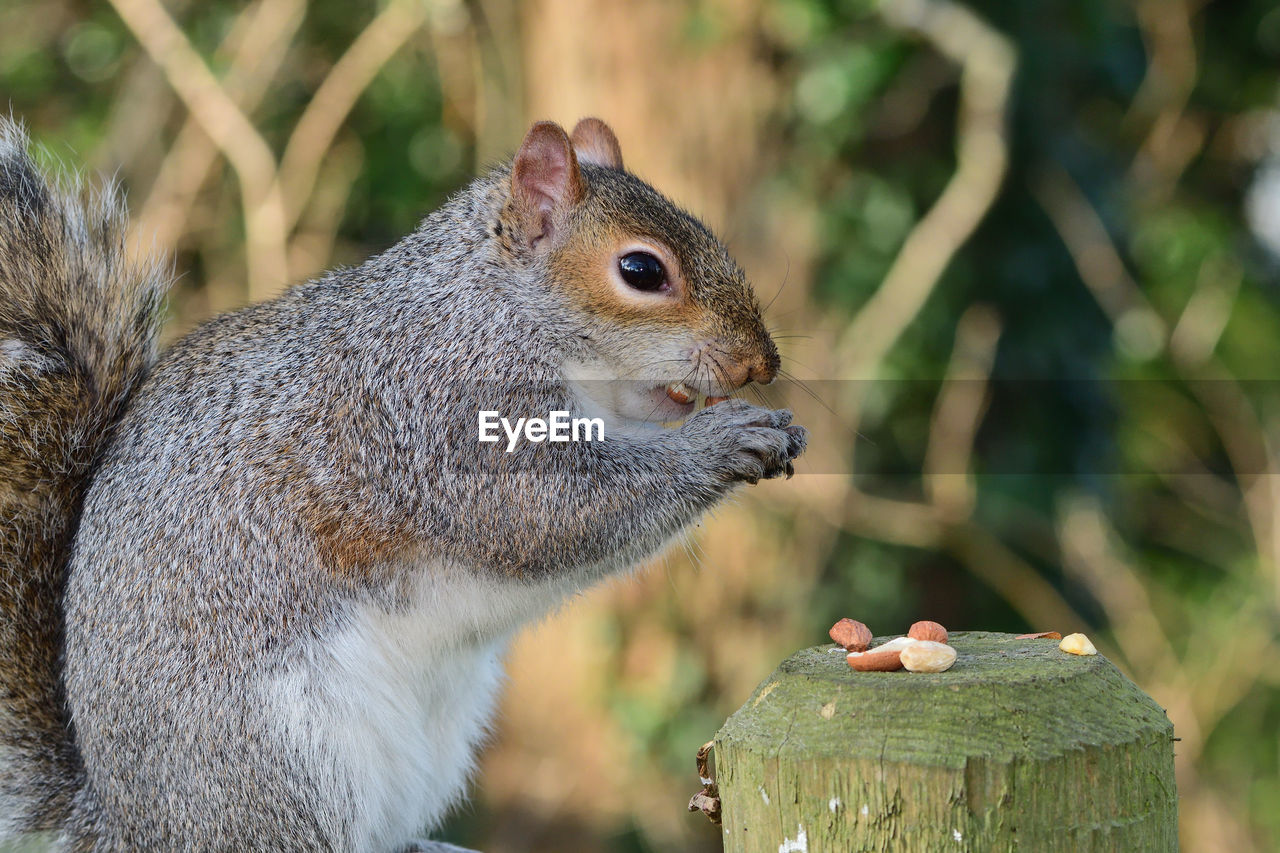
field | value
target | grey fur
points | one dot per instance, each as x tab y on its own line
77	333
288	463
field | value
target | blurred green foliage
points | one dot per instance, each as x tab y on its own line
1087	422
1080	404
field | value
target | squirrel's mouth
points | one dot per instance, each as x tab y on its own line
681	395
649	401
675	401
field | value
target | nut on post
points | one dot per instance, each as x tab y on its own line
1077	644
928	656
931	631
876	660
897	644
852	634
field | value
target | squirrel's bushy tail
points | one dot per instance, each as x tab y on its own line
78	327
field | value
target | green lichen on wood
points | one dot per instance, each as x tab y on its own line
1018	746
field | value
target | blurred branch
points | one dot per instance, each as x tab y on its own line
1172	137
1253	462
456	43
1223	658
311	248
921	525
1141	331
141	102
1225	404
1090	554
987	60
333	101
498	108
912	523
1204	319
230	130
1013	578
958	412
1221	664
274	198
258	42
943	520
1200	687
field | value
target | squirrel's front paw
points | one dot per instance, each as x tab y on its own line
747	443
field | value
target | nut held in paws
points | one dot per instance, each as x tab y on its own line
851	634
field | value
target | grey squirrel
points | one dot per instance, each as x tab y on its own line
255	593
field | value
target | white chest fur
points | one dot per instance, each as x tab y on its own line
393	705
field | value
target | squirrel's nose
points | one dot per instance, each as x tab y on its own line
765	367
764	372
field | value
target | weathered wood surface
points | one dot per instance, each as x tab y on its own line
1018	746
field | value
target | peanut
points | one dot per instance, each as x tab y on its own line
1077	644
928	656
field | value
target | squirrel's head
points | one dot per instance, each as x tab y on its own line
658	301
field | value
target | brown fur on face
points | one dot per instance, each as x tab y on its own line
709	295
573	204
585	267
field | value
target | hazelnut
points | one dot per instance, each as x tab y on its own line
851	634
931	631
1077	644
928	656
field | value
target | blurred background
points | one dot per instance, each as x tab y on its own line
1024	256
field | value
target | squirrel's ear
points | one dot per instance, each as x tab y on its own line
545	181
595	143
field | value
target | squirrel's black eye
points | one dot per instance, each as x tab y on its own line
642	271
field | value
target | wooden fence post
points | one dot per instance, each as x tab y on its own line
1018	746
